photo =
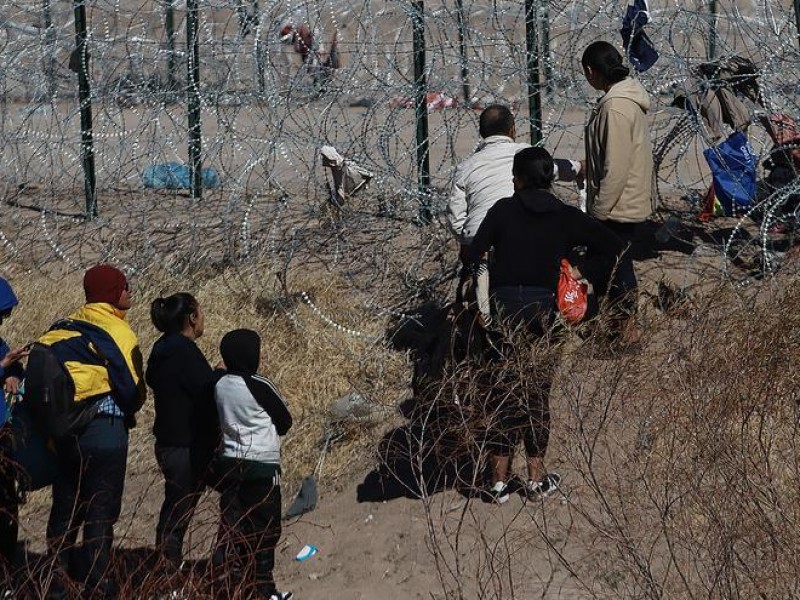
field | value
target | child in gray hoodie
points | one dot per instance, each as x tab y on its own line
252	417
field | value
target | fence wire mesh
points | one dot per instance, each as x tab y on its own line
270	100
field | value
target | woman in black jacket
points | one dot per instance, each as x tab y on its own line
530	233
186	427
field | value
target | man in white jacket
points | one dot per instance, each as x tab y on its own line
484	178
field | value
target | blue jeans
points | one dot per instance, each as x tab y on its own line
87	492
524	304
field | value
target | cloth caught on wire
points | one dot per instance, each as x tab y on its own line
348	176
639	49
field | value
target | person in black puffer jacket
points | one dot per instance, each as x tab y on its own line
185	428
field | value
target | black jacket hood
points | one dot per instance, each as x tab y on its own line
538	201
241	351
166	346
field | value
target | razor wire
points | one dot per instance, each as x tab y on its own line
266	111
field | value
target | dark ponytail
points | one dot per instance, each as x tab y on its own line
603	58
169	315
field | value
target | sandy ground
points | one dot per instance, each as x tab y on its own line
422	547
399	548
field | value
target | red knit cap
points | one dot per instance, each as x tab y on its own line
104	283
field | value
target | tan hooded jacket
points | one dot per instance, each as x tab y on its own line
619	156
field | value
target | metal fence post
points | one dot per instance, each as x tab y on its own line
797	18
172	63
534	85
546	54
462	49
421	111
258	49
50	45
193	64
85	99
712	34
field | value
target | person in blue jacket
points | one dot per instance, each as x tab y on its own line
11	375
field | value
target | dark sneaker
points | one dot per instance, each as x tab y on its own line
280	596
498	493
544	487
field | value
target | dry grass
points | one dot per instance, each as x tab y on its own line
681	462
312	362
682	458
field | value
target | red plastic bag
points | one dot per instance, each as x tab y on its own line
571	295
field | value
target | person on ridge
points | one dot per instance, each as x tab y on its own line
531	232
185	426
619	169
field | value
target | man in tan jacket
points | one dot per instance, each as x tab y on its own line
619	168
619	155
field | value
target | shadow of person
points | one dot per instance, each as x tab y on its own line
430	453
413	464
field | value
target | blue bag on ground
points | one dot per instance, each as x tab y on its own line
733	167
176	176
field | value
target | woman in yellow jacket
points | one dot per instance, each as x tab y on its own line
101	353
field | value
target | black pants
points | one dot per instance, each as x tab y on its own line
515	417
251	522
523	413
88	492
635	235
9	504
181	493
623	286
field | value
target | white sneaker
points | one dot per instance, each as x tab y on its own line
499	492
544	487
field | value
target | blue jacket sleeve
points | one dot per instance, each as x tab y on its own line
15	370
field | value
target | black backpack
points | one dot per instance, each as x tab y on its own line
50	395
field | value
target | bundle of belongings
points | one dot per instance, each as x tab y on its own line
639	49
719	100
348	177
724	101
